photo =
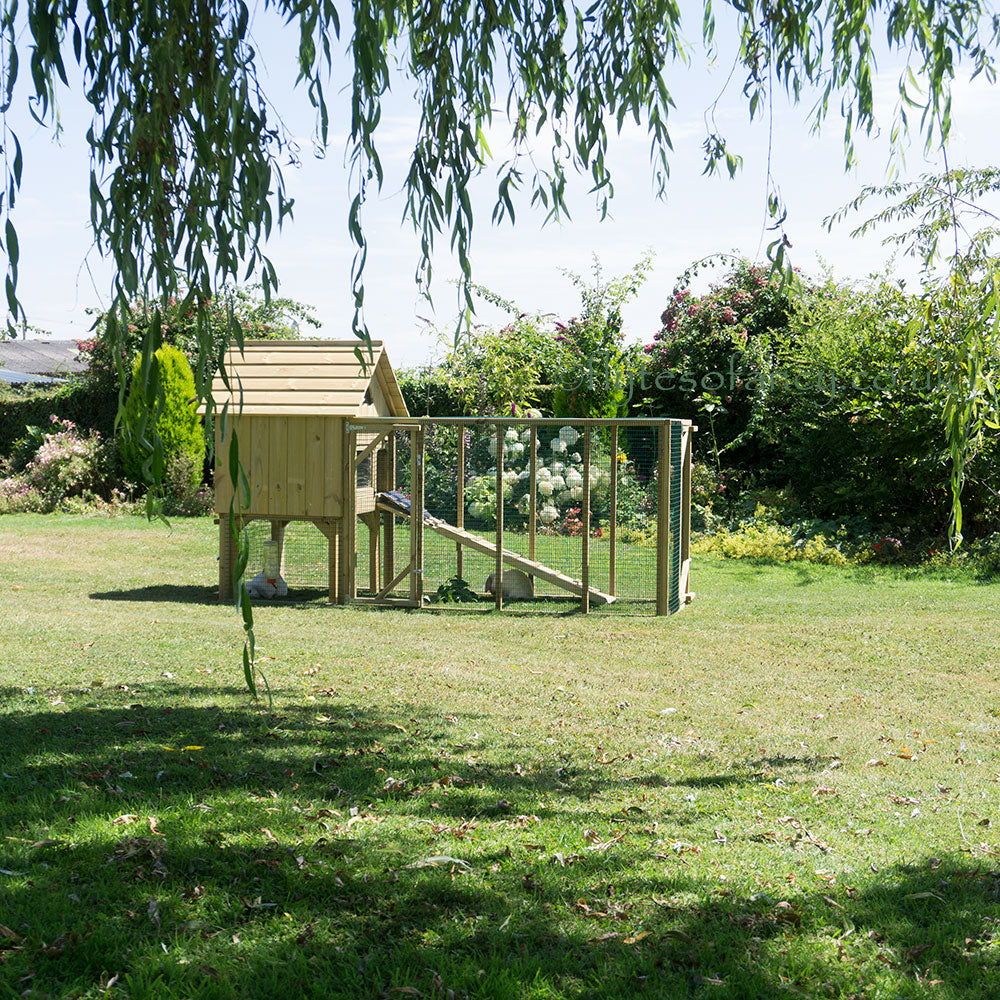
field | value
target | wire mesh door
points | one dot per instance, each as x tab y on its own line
385	551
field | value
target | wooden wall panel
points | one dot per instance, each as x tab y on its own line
333	466
277	464
259	465
315	466
295	466
223	492
245	428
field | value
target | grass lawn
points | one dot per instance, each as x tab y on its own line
788	790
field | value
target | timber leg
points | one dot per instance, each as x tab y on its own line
227	559
332	531
278	535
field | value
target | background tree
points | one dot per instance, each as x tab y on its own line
952	232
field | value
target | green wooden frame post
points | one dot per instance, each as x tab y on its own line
663	521
350	555
417	515
585	520
532	490
498	566
460	511
613	516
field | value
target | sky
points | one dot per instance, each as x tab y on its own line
61	276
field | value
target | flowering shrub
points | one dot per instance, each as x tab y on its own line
572	524
18	496
65	464
481	499
708	355
597	365
887	549
68	463
559	485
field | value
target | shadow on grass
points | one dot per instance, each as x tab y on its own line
332	748
757	772
266	856
317	597
804	575
166	593
192	594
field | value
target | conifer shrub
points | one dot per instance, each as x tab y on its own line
177	425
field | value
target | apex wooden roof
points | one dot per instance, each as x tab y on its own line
310	377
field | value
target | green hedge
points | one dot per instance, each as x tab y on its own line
89	402
431	392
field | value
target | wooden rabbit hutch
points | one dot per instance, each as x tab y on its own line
291	403
593	511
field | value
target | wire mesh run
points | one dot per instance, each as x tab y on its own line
575	508
304	556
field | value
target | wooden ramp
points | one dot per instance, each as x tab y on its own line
396	503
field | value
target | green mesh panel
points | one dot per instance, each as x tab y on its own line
676	520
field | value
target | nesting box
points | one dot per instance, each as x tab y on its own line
290	402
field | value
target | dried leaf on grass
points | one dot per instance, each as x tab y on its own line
636	937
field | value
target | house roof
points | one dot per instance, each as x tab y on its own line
309	377
41	357
25	378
